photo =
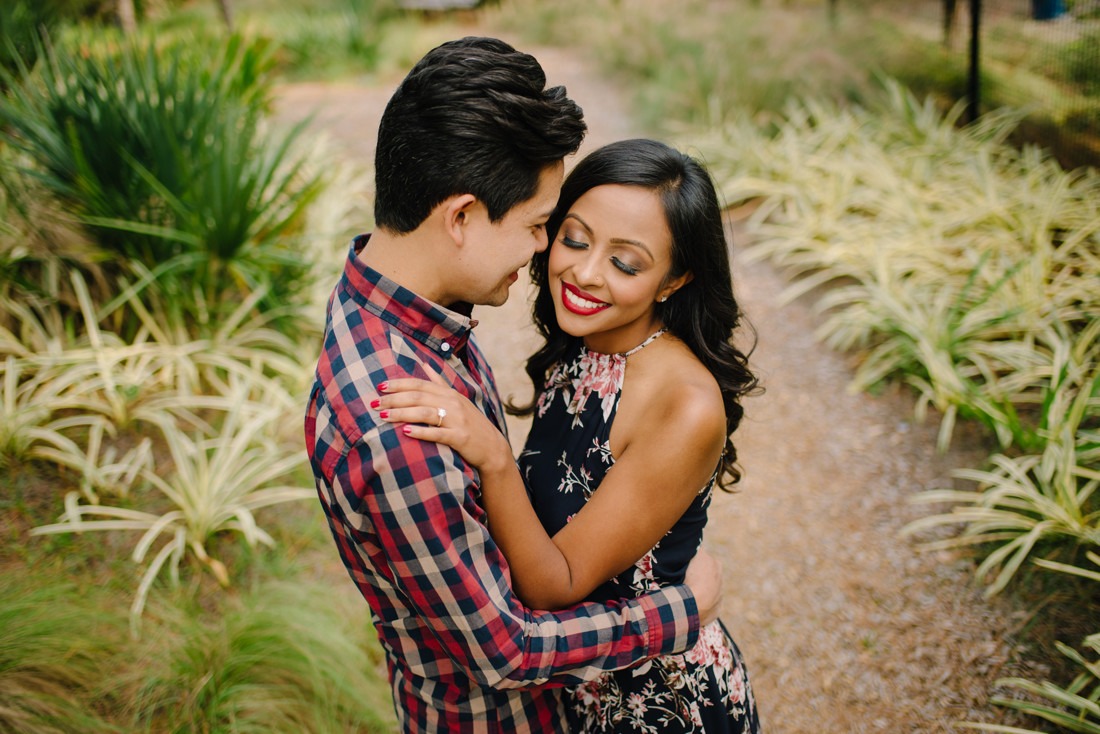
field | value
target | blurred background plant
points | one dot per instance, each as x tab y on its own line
158	303
189	187
279	656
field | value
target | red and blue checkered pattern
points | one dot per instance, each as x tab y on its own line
464	654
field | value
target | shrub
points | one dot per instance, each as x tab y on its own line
22	27
1081	62
163	154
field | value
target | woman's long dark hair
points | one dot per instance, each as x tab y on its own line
703	313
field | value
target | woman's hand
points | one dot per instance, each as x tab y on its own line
435	412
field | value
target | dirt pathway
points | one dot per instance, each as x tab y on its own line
845	627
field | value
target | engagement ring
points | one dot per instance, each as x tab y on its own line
442	414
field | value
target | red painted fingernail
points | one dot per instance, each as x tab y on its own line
406	430
384	414
375	403
383	387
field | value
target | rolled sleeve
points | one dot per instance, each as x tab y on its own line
672	619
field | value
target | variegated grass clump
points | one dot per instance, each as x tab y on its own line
173	424
29	408
165	391
1042	508
96	406
947	258
217	482
1075	707
967	269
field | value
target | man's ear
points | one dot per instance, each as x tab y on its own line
456	213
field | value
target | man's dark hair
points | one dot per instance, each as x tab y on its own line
473	116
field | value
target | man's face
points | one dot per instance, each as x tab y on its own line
496	252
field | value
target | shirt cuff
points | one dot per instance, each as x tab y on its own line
672	620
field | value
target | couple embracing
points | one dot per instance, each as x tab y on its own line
565	590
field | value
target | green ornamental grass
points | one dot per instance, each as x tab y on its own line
55	646
281	657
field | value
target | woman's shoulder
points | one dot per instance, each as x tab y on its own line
670	384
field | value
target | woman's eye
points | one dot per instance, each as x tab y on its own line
628	269
571	243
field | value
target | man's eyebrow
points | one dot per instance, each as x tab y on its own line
614	240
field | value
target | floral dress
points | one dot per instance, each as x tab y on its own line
705	689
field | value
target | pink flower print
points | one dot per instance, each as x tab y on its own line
737	686
588	693
603	450
601	374
644	580
635	703
693	712
574	479
556	381
711	648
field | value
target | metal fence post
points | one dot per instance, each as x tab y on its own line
973	95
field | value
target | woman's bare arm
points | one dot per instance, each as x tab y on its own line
669	456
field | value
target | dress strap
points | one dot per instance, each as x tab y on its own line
646	343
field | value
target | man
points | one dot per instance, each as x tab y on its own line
468	167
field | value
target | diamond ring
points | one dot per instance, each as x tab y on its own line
442	414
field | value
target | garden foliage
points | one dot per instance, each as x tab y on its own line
153	364
967	269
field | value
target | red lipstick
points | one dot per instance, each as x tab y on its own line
579	302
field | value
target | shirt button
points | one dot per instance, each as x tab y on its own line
445	347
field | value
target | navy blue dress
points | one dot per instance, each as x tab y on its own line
566	457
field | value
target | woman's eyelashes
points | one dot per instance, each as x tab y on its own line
620	264
625	267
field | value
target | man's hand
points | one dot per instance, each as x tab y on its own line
704	578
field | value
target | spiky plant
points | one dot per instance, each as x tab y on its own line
217	483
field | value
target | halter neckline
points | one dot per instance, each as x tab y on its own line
649	340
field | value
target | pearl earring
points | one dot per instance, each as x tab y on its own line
662	299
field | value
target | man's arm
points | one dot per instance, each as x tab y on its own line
414	498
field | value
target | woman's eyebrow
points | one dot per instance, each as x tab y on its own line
583	223
636	243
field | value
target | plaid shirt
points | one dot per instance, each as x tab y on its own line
464	654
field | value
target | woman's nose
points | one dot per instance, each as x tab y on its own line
587	271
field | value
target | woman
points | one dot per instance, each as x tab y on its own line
640	391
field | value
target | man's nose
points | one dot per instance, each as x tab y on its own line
542	242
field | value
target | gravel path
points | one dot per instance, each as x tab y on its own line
845	627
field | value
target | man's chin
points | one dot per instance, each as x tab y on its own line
498	299
500	296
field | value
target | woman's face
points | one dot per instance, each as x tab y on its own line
608	266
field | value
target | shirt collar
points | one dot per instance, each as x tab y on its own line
442	329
